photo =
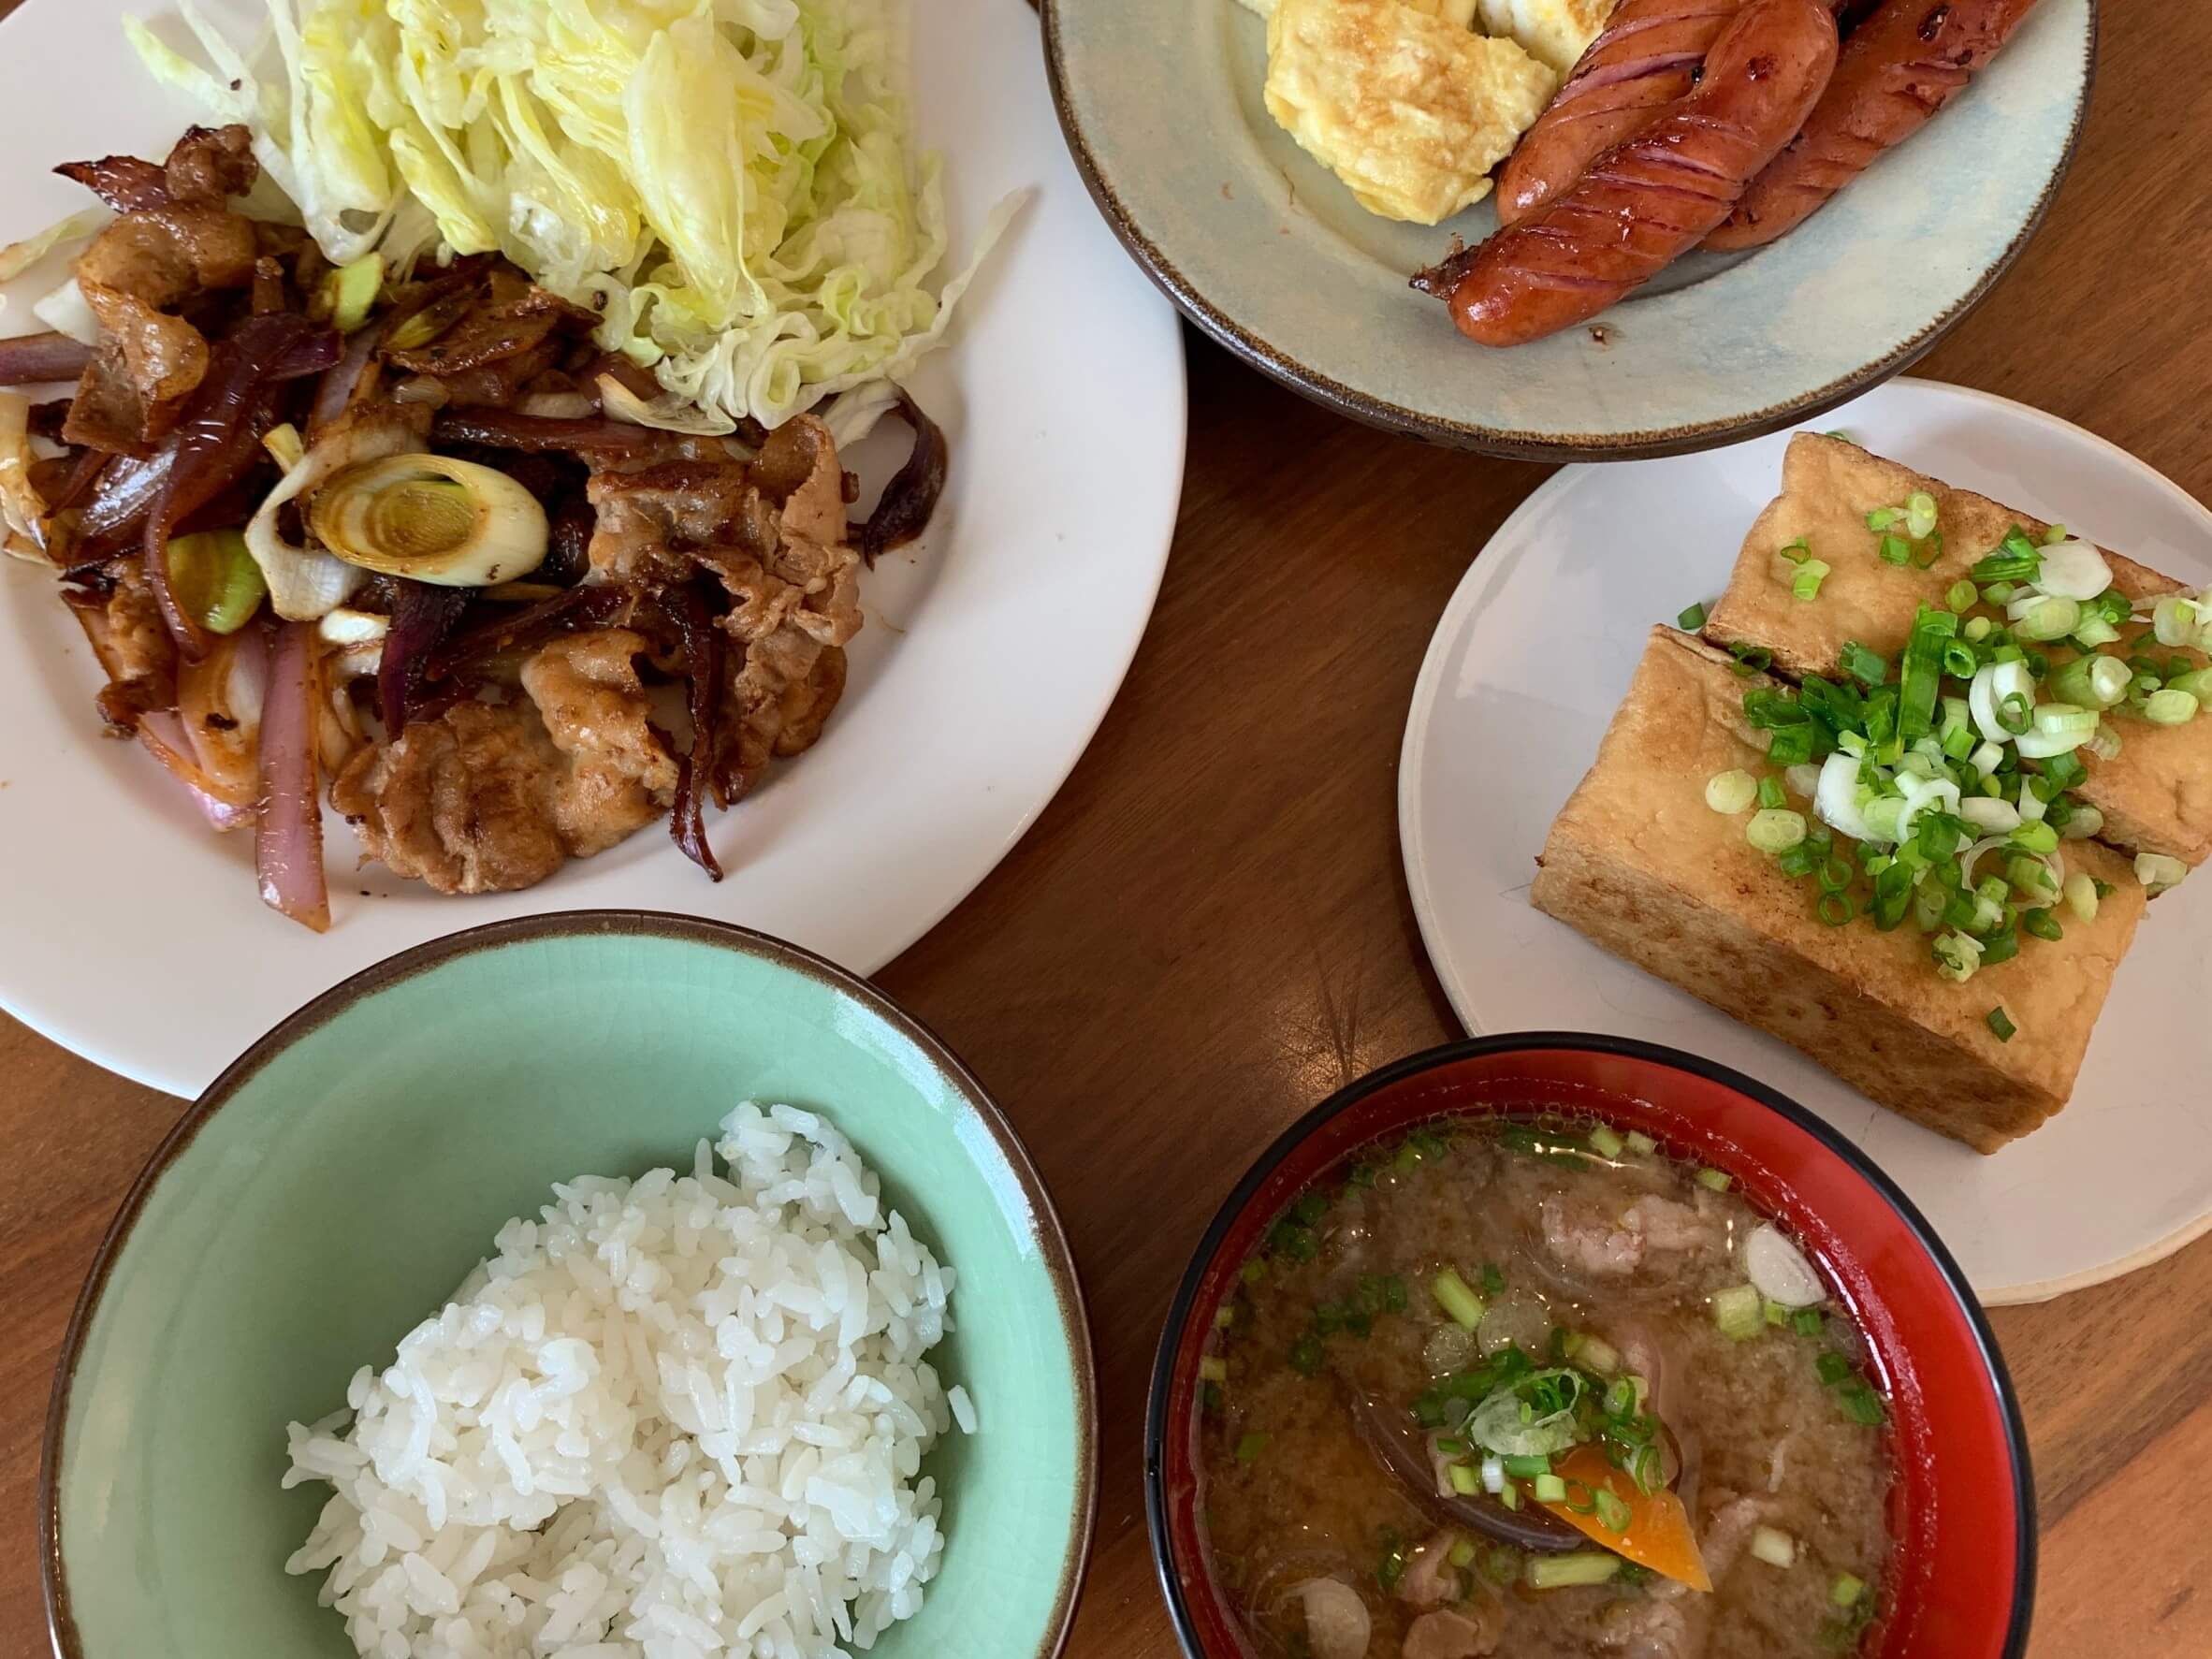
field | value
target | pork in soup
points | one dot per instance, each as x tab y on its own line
1533	1387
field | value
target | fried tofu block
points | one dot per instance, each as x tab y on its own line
2156	795
1410	110
1641	865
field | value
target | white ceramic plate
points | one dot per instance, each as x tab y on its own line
1534	655
1269	252
133	936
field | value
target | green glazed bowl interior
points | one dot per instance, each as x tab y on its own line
336	1183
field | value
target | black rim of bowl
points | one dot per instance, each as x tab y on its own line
1388	416
61	1626
1163	1366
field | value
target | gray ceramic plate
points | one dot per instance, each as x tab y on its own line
1266	252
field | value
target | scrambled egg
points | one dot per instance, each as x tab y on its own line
1409	106
1453	11
1555	32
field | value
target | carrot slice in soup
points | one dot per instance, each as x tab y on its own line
1658	1535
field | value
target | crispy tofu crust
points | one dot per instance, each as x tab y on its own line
2156	795
1641	865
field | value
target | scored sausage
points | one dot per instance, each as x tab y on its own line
1648	56
1648	200
1899	66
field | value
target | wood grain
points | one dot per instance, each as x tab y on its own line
1208	929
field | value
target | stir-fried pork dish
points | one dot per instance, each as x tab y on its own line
405	529
1524	1387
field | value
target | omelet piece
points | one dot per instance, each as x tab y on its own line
1453	11
1555	32
1409	109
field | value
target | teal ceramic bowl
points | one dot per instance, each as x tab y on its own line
339	1181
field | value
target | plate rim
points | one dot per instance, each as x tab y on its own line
1057	1254
1412	853
1503	442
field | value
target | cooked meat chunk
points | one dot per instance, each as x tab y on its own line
1432	1580
489	798
651	519
507	316
148	362
459	802
1606	1246
126	634
772	533
209	163
168	255
206	165
1449	1634
620	774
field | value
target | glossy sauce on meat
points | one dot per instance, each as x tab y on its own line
1593	1253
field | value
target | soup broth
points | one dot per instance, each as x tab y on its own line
1528	1387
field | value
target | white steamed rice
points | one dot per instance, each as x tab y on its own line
678	1418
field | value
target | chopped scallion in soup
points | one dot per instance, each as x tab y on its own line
1530	1387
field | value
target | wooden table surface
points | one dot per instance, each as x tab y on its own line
1208	930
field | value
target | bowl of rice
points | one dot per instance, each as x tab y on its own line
600	1285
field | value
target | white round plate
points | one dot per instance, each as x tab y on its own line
135	935
1534	655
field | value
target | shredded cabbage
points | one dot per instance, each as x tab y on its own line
729	182
18	257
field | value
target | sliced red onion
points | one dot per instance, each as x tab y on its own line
162	735
288	845
335	390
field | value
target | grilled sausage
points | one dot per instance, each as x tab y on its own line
1898	67
1649	56
1647	201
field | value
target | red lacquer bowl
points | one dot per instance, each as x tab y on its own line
1963	1510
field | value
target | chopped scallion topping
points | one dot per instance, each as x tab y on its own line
1691	620
1613	1514
1250	1446
1847	1590
1806	584
1796	552
1557	1571
1731	792
1213	1368
1869	668
2000	1023
1774	1548
1739	1312
1605	1143
1460	1303
1775	829
1715	1180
